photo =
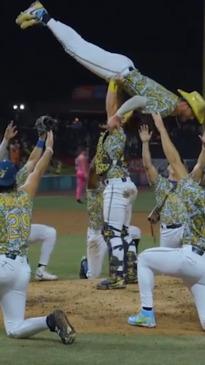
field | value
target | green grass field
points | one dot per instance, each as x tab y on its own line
95	349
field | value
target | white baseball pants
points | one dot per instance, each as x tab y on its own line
46	234
118	197
179	262
171	237
103	63
96	251
14	279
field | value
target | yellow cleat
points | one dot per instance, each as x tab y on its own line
28	23
33	15
23	17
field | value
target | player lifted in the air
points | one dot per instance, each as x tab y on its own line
149	95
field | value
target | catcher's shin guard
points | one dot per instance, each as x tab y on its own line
130	258
131	274
116	280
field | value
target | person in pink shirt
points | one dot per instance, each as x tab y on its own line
81	167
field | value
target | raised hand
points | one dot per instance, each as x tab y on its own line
144	133
10	131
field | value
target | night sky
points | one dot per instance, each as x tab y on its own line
163	38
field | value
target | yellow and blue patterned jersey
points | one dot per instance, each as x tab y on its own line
193	197
21	176
95	207
174	210
114	146
160	100
15	221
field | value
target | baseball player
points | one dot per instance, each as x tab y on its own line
118	196
39	232
91	267
173	215
15	218
187	261
149	95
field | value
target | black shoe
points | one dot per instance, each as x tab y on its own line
79	201
58	322
83	268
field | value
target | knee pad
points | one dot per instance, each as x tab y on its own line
110	232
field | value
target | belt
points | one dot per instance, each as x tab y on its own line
124	179
12	255
172	226
198	250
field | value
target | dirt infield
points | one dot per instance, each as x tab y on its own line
76	222
96	311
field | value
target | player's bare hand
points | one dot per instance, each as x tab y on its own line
114	122
10	131
49	140
144	133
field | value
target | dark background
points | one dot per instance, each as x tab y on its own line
164	38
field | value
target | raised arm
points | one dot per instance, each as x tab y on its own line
32	182
198	169
150	169
35	154
169	149
9	133
112	99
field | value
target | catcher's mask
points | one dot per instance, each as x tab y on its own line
45	123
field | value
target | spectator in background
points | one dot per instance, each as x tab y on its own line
15	153
81	167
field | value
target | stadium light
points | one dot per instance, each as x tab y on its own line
19	106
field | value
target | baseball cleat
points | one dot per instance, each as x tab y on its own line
83	268
43	275
58	322
116	283
144	318
33	15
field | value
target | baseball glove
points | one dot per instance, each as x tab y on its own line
44	124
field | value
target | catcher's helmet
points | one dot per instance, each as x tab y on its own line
8	173
45	123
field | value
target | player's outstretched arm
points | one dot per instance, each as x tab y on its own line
145	136
198	169
9	133
32	182
35	154
169	149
